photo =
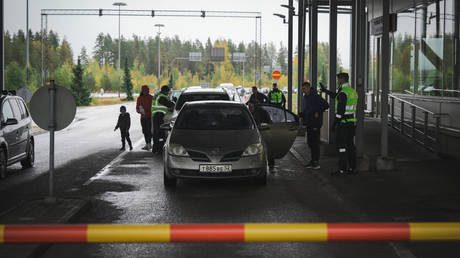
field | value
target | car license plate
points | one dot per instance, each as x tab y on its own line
215	168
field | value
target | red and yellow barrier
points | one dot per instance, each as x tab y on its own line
174	233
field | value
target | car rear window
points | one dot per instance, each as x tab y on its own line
212	117
184	98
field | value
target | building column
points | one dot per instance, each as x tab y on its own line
332	65
290	43
313	42
385	79
456	82
2	47
358	75
300	52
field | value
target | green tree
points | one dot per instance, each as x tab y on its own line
79	91
65	53
15	76
171	81
128	83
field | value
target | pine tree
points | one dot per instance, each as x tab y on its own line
171	81
80	92
128	82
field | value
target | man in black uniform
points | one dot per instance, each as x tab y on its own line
160	106
346	100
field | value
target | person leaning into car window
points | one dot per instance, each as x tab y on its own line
259	114
160	106
257	97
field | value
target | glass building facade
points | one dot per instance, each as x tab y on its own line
422	50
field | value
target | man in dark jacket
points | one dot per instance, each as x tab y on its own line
313	107
257	97
124	122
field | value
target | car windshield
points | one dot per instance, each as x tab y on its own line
213	117
198	97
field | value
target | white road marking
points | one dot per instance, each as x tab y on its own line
398	248
105	170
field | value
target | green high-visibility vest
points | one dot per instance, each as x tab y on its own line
276	97
352	102
157	107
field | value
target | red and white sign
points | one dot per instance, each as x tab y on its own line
276	75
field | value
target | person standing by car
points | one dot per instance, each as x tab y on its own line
143	107
313	107
124	122
346	100
276	97
257	97
160	106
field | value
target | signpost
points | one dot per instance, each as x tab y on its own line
43	106
276	75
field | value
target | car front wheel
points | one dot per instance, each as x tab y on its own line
2	164
28	162
169	182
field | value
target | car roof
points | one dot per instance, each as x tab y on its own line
215	102
204	90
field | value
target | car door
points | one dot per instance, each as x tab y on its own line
282	130
9	131
23	125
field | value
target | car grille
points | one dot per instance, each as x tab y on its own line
232	156
198	156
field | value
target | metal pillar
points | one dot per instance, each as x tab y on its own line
360	39
44	33
385	78
289	68
300	52
332	64
313	41
27	44
2	50
52	126
457	46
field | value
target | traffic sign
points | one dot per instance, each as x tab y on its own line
276	75
65	108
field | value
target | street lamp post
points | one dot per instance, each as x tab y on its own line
159	53
119	4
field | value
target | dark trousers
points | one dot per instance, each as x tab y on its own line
345	136
125	136
146	124
157	121
313	140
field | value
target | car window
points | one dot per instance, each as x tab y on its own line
184	98
214	117
7	111
21	108
16	109
23	105
277	115
290	117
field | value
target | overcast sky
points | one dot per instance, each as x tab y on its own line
82	30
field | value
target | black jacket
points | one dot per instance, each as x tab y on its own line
124	122
258	98
313	107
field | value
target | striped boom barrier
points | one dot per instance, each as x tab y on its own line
237	233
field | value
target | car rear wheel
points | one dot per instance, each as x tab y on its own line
2	164
169	182
28	162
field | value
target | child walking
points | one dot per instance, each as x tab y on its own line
124	122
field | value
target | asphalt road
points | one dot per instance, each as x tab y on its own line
127	188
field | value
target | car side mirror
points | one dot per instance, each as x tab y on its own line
10	121
263	127
166	127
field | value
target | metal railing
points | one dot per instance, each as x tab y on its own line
415	122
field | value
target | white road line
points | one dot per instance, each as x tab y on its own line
105	170
398	248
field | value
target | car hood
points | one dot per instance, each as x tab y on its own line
215	140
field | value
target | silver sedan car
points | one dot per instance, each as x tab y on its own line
223	139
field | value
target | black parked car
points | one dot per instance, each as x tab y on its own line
16	140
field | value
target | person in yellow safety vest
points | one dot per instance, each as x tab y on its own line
276	97
160	106
346	100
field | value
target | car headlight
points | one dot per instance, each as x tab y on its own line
253	149
177	150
